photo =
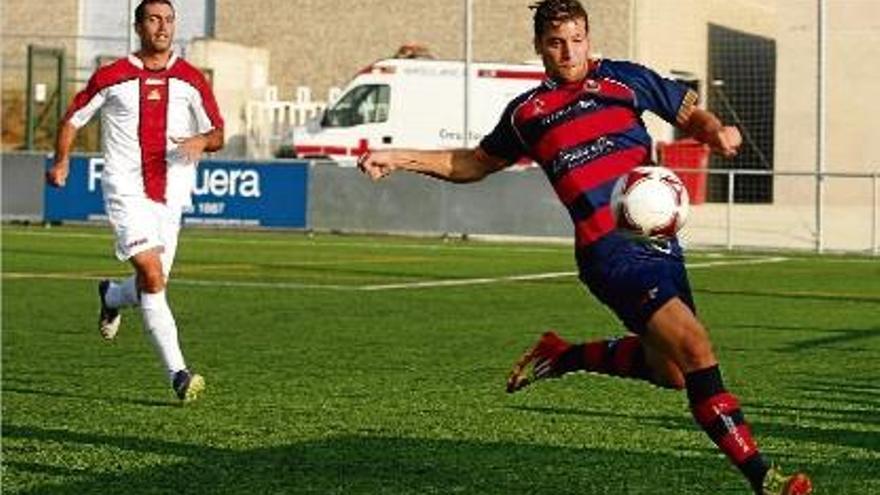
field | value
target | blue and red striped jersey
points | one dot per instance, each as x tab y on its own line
585	135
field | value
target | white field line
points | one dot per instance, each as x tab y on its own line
746	261
182	281
378	287
466	281
302	241
544	276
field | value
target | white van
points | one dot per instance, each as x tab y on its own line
413	103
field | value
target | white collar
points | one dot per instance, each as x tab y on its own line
137	62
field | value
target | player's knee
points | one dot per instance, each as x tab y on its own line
151	281
696	353
674	382
150	275
668	375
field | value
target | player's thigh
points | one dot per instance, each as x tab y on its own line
636	282
135	225
664	370
143	225
170	222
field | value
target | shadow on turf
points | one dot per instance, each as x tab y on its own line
90	397
818	413
838	336
684	422
785	428
793	295
389	465
358	464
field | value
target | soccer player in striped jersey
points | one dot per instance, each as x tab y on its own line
158	115
583	126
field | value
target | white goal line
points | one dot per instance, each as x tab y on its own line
424	284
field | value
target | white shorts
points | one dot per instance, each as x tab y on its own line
141	224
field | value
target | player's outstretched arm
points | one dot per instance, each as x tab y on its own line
705	127
460	165
57	174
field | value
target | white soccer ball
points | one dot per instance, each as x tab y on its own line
650	201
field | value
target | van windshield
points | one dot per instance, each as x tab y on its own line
365	104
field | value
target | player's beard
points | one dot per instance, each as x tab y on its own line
161	45
573	72
157	45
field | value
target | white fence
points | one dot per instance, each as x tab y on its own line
269	122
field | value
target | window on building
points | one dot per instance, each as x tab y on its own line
742	90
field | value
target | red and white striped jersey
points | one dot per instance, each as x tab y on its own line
142	110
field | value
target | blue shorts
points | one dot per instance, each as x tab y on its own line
634	278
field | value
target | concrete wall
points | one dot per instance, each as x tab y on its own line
852	42
672	35
22	23
510	203
239	74
665	42
22	177
521	203
852	49
853	72
323	43
26	22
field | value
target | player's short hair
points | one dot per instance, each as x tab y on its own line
548	12
140	11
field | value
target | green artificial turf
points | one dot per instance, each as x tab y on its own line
376	365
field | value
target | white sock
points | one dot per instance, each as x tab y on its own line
122	294
162	330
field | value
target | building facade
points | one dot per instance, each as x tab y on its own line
753	62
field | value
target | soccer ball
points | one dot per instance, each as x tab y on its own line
650	201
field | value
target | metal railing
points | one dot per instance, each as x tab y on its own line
819	204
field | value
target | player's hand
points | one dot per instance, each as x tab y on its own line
191	148
376	164
56	176
727	141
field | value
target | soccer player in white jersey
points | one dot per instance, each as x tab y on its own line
158	115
